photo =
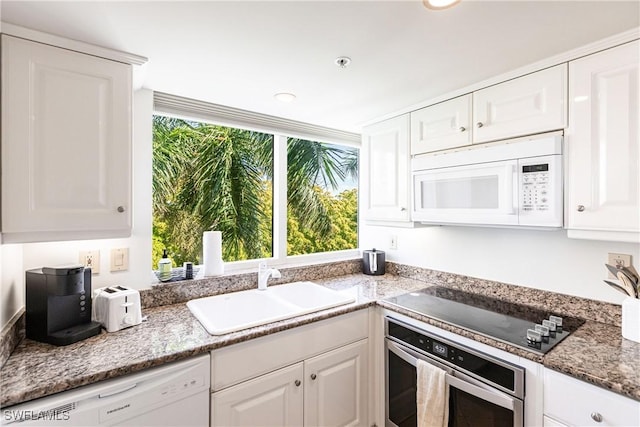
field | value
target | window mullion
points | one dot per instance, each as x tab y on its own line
279	197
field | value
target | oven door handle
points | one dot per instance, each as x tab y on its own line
494	396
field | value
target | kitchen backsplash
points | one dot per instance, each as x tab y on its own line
180	292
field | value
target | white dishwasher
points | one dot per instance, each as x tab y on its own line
176	394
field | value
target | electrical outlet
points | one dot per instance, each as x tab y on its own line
393	242
90	259
120	259
618	260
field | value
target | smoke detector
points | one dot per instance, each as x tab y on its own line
343	61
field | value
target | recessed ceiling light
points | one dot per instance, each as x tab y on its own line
285	97
439	4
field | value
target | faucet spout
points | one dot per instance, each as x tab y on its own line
264	273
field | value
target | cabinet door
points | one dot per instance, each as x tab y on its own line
336	387
386	170
578	403
273	399
529	104
441	126
66	144
603	141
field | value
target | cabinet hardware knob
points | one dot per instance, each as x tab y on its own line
121	209
580	208
403	209
595	416
313	376
462	129
297	383
479	124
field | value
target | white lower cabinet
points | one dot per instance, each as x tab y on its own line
274	399
326	390
336	387
571	402
313	375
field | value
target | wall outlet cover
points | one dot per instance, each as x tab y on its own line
616	260
90	259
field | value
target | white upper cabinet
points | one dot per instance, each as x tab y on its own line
603	145
526	105
66	144
441	126
385	167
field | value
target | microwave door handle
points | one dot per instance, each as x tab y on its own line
511	190
515	184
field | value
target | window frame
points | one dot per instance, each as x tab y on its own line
281	129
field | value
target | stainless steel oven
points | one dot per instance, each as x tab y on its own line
483	390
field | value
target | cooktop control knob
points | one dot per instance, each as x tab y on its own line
558	321
544	332
534	339
552	327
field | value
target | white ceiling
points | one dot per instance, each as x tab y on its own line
240	53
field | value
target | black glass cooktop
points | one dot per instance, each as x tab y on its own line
504	321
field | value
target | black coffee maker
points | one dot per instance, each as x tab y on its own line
59	305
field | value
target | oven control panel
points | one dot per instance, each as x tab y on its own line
454	355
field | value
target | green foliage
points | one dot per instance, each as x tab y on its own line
208	177
343	211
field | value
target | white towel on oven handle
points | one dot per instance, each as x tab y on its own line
432	395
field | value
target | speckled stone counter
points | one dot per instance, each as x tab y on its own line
595	353
171	333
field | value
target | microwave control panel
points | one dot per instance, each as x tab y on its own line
535	187
540	191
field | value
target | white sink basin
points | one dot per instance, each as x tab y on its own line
222	314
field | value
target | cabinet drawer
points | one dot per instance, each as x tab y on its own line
240	362
573	402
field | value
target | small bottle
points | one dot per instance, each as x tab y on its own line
164	267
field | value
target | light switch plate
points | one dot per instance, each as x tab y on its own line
90	259
618	260
120	259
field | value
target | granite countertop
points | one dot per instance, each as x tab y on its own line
595	352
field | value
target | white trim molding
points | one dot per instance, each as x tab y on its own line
228	116
74	45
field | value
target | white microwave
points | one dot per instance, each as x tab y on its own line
511	184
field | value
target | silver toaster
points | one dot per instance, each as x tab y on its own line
116	307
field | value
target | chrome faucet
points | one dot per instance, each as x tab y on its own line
264	273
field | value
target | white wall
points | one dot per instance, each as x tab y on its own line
15	259
539	259
12	284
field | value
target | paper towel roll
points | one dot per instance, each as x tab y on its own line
212	253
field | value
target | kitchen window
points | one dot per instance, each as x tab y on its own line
275	194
